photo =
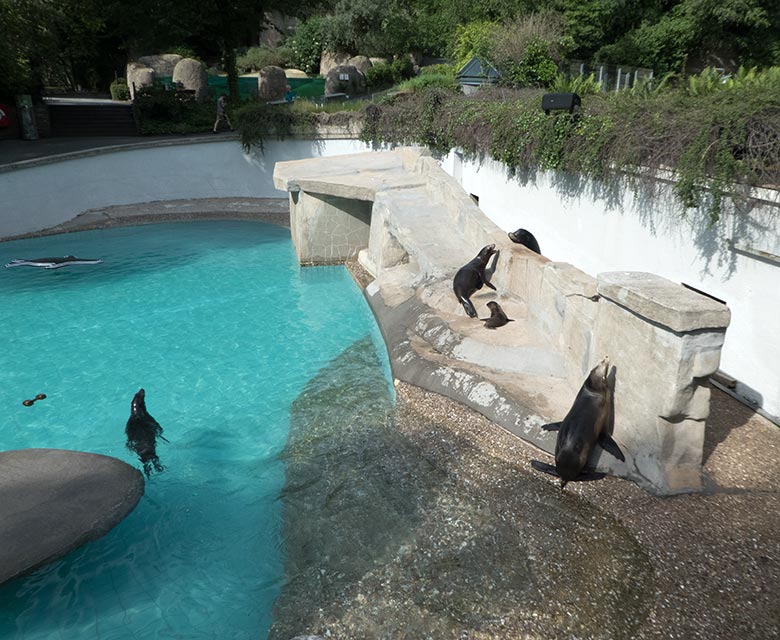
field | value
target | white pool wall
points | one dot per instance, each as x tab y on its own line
37	195
599	230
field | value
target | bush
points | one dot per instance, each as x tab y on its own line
162	112
581	85
306	45
119	89
383	75
450	70
255	58
430	80
474	40
257	121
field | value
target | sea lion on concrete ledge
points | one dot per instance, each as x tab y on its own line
142	431
471	277
586	423
497	316
525	238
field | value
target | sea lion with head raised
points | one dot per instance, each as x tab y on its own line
586	423
471	277
497	316
142	431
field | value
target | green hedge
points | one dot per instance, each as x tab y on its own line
717	144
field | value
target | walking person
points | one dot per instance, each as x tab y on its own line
221	113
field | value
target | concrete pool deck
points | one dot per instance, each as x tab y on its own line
716	555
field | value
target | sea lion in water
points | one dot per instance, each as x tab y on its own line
497	316
525	238
471	277
586	424
142	431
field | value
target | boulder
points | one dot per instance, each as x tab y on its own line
330	60
361	63
163	64
345	79
295	73
192	76
271	83
138	75
55	501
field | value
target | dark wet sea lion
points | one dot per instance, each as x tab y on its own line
586	423
52	263
497	316
142	431
525	238
471	277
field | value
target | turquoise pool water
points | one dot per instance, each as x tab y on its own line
223	329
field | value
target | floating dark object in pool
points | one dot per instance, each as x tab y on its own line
29	403
142	431
585	425
52	263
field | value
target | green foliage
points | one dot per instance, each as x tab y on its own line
473	40
373	28
165	112
581	85
450	70
536	67
383	75
255	58
306	45
430	80
717	144
119	89
256	122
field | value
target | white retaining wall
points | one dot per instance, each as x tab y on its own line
600	230
36	195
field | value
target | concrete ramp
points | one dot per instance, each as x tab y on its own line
412	227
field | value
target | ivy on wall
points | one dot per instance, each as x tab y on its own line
717	143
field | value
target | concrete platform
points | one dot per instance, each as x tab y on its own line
53	501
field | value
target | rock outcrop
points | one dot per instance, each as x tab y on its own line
271	83
192	76
55	501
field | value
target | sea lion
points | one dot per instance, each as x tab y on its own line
497	316
525	238
142	431
471	277
52	263
586	423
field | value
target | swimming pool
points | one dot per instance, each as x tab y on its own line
220	326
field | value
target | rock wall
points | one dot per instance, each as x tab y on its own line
662	339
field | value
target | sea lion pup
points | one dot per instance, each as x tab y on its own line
497	316
525	238
587	423
142	431
471	277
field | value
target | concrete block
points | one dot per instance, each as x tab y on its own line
658	300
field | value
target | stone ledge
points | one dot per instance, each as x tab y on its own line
663	302
54	501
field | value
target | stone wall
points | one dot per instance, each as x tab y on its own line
663	340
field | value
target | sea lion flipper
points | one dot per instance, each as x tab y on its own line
611	447
587	475
553	426
490	285
544	468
